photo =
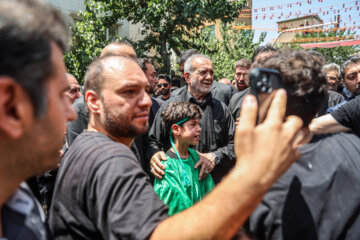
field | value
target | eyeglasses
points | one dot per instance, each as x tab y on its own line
162	84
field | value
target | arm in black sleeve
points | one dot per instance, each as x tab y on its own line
157	135
226	151
348	115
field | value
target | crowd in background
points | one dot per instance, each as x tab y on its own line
142	158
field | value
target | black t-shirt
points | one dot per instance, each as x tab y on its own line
348	115
101	192
318	197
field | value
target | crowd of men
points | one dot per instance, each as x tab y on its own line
291	174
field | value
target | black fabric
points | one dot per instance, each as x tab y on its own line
76	127
160	97
348	115
318	197
218	133
101	192
219	91
332	100
236	101
141	143
206	137
46	183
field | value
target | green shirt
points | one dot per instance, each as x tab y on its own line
171	188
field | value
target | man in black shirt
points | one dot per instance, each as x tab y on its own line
345	118
102	193
318	190
216	145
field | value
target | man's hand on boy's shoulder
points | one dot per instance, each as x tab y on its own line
156	167
207	163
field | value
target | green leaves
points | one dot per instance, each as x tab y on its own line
235	45
170	23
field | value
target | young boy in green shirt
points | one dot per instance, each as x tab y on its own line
180	188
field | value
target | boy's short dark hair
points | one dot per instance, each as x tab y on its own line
177	111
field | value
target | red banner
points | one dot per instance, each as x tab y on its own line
331	44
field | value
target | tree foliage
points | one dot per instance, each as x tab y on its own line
168	25
234	45
88	38
336	54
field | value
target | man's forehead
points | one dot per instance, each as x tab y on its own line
150	67
122	69
201	62
332	71
242	68
352	67
72	80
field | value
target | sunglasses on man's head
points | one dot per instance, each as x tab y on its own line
162	84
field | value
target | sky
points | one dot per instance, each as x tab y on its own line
348	10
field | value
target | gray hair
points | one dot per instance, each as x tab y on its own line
352	60
188	66
332	66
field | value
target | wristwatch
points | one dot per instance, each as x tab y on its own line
217	160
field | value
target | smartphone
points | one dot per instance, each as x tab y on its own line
263	81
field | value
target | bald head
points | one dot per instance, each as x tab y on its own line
94	79
118	49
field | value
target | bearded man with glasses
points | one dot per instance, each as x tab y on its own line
163	87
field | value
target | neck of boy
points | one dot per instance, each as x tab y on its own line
182	149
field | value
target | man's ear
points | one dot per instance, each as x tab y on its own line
16	108
93	101
176	129
187	77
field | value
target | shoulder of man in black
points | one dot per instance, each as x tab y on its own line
236	102
317	190
76	127
348	115
332	100
222	92
101	191
156	129
177	92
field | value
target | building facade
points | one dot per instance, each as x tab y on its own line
296	25
123	28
